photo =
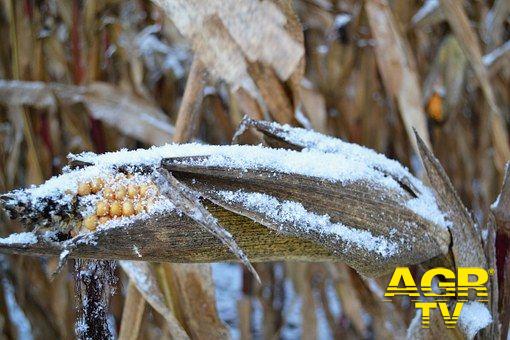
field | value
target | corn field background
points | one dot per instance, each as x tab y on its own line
89	75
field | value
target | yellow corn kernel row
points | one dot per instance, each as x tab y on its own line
118	201
112	209
92	187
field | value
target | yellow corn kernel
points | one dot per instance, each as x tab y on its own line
115	209
84	189
132	191
120	193
435	107
127	208
102	208
90	222
96	185
108	193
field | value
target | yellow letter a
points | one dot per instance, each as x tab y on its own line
402	274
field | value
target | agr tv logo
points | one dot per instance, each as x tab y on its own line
450	285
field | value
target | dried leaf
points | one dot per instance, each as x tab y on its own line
371	216
315	107
224	33
132	314
466	244
398	68
468	41
142	276
132	115
194	283
273	93
188	115
371	294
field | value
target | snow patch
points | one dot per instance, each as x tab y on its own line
474	317
333	167
424	205
283	211
496	202
19	238
496	54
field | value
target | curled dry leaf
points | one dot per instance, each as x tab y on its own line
194	282
330	200
132	115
